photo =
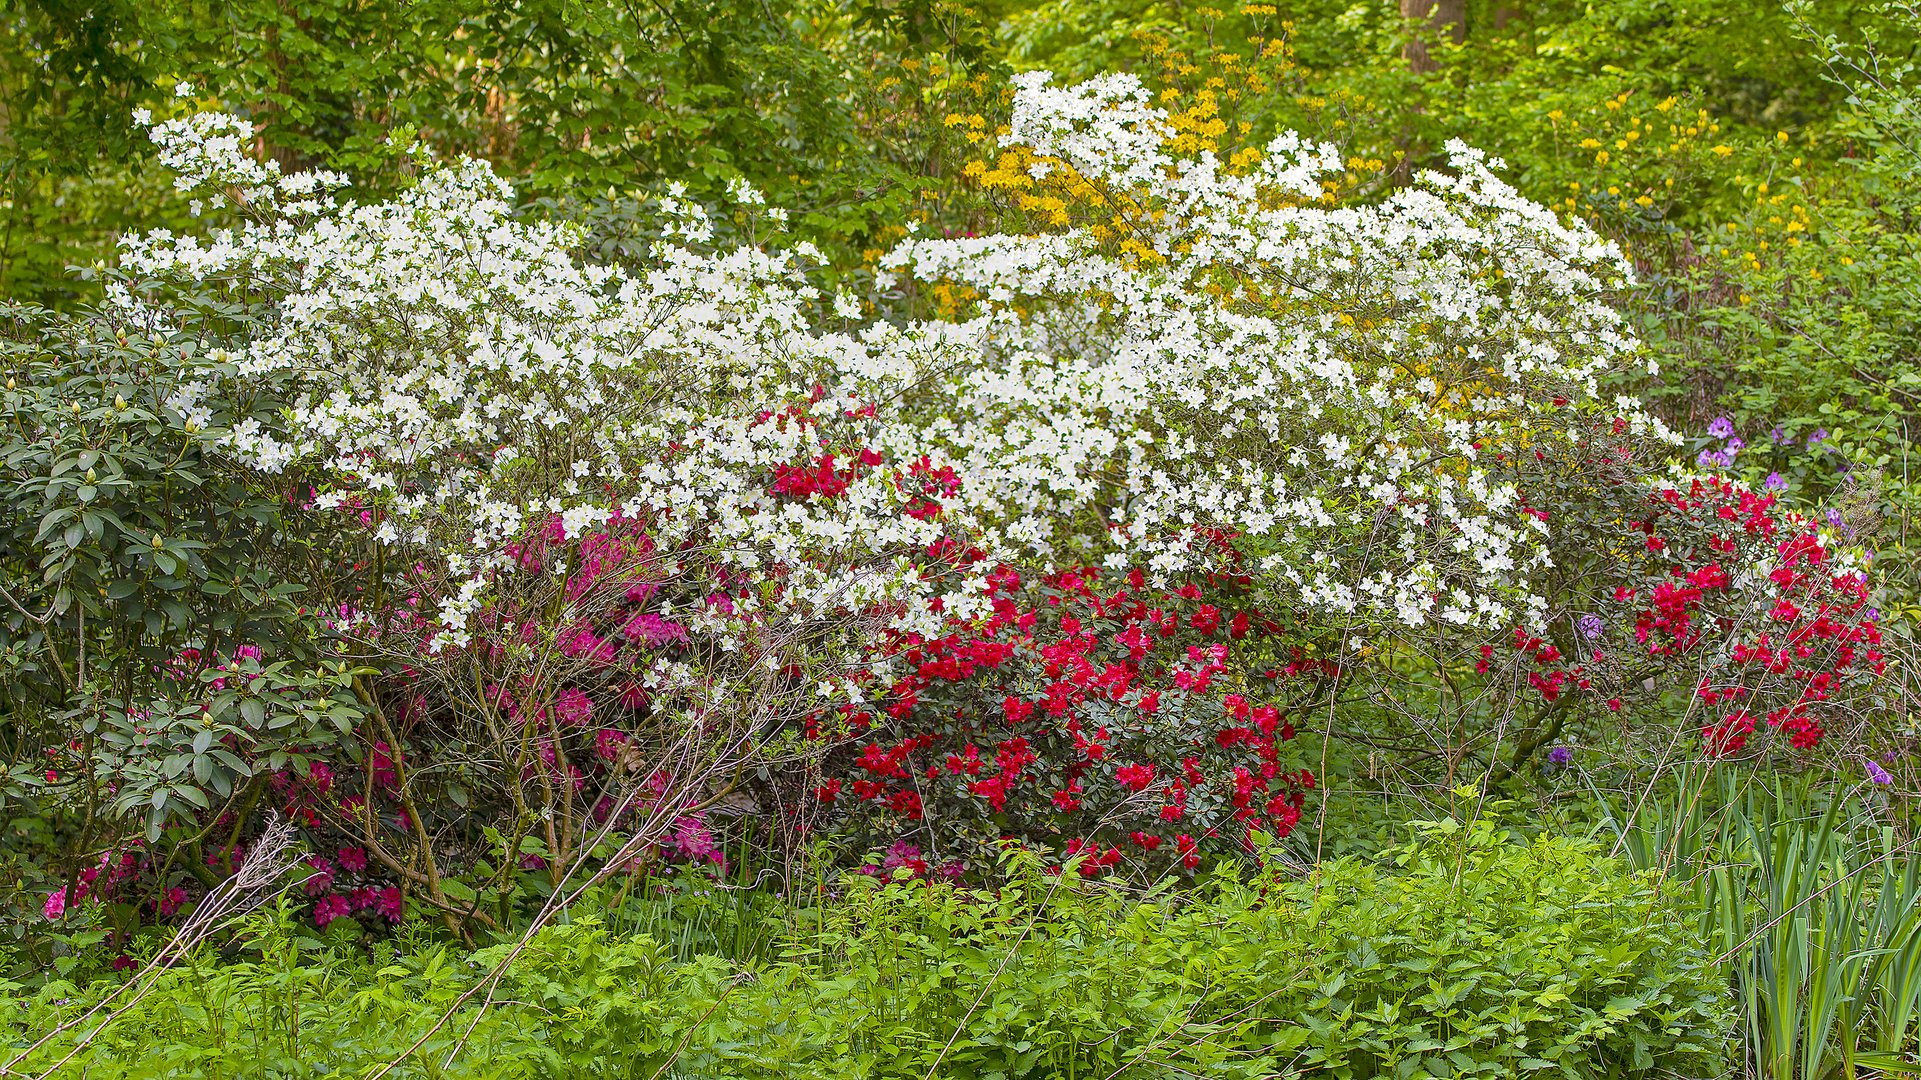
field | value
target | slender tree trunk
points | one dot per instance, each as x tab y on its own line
1448	17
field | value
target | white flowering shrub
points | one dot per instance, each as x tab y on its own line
630	538
1333	386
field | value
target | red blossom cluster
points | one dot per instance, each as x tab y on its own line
1093	716
1741	600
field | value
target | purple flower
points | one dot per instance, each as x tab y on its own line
1779	435
1878	774
1736	444
1775	482
1560	755
1873	615
1819	435
1710	459
573	708
1720	427
1590	626
1834	518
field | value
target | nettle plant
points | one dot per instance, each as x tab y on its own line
1065	563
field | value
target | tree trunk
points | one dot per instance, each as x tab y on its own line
1447	17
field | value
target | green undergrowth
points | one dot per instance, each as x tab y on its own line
1465	952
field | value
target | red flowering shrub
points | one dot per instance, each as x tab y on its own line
1727	606
1104	718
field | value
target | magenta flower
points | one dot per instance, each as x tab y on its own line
573	708
322	878
582	641
608	742
331	907
693	841
653	630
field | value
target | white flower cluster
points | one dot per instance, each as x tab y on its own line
1324	383
209	155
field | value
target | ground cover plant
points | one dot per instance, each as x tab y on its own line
1095	490
1040	978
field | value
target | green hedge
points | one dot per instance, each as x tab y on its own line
1465	954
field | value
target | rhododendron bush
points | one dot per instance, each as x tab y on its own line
1079	556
